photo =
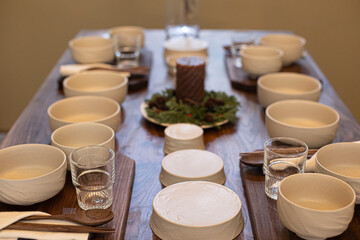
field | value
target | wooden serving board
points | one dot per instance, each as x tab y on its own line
240	80
65	201
264	217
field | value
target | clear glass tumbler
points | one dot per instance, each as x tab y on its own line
283	156
181	18
93	175
127	49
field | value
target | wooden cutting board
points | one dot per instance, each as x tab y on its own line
65	201
264	217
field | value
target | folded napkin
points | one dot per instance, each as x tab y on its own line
7	218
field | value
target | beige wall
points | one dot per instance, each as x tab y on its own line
34	34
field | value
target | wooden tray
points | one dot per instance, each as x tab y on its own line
65	201
240	80
264	217
135	82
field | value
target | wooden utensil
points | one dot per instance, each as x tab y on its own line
256	158
93	217
58	228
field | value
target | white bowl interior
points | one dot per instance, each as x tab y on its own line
184	131
283	39
302	114
83	109
91	43
341	158
317	192
95	81
30	161
81	134
287	83
261	52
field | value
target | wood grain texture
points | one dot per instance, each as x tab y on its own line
264	215
143	141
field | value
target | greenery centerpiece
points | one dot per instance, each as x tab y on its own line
215	108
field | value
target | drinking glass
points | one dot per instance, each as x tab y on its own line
182	18
127	49
239	40
283	156
93	175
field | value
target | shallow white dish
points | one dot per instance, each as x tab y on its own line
192	165
144	105
188	45
196	210
31	173
99	83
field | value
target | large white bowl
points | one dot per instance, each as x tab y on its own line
275	87
312	122
341	160
259	60
31	173
100	83
315	206
84	109
185	45
292	45
129	30
92	49
76	135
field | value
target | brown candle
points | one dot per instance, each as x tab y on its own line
190	76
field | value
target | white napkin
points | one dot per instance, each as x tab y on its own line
7	218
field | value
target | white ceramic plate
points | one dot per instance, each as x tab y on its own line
144	105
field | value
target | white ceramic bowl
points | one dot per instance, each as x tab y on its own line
130	30
315	206
171	60
84	109
196	210
76	135
188	45
181	136
275	87
31	173
192	165
100	83
292	45
92	49
341	160
312	122
259	60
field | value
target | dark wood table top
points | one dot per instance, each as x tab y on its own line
143	141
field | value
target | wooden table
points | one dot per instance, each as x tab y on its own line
143	141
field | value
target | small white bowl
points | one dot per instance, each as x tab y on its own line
84	109
31	173
171	60
341	160
259	60
130	30
275	87
100	83
76	135
92	49
188	45
181	136
312	122
192	165
315	206
292	45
